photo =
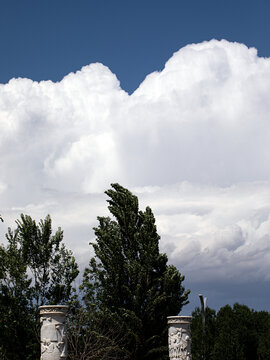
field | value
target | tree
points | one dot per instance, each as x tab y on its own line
128	275
53	267
17	325
203	342
262	330
236	336
35	269
235	333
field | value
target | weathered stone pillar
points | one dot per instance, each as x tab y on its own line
179	337
52	334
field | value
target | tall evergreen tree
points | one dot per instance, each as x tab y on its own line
130	277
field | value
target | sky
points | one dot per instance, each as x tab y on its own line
171	100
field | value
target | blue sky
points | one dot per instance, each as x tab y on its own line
187	128
48	39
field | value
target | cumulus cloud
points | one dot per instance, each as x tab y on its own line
192	141
215	232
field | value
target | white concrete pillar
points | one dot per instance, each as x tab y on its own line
179	337
53	334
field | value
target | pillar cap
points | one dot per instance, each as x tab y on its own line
53	310
179	319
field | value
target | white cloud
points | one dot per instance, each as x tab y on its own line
216	233
192	141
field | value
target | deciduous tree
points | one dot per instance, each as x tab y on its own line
129	276
35	269
203	341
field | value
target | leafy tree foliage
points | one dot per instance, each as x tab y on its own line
236	338
35	269
14	304
262	330
203	341
130	277
234	333
52	266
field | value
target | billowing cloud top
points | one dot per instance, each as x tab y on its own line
192	141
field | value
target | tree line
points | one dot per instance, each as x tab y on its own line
233	333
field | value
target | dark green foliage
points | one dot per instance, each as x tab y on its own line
236	338
262	329
235	333
228	345
35	269
130	277
203	342
15	295
52	266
